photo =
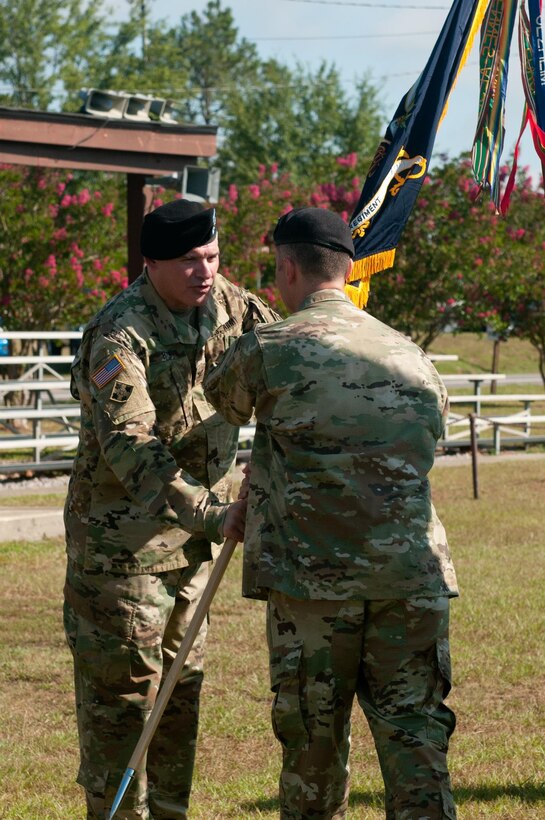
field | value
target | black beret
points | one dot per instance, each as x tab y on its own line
314	226
173	229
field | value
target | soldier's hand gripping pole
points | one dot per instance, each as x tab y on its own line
172	677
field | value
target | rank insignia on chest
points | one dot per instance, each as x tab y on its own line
108	371
121	391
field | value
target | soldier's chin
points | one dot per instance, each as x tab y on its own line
201	294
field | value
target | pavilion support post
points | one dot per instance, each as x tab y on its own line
138	204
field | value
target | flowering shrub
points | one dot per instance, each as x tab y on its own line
247	216
62	248
246	219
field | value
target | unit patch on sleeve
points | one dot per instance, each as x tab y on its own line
108	371
121	392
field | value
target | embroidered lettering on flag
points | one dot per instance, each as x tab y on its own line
108	371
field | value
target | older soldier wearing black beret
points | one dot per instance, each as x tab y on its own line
146	503
342	539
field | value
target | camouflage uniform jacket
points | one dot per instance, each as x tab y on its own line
348	415
152	467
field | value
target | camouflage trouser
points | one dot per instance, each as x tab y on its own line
394	655
124	632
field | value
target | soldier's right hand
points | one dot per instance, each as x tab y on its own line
234	521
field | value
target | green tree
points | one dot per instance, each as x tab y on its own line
143	57
45	44
300	119
196	64
220	63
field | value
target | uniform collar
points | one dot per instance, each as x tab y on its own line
325	295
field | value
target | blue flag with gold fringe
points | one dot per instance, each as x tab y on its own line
401	160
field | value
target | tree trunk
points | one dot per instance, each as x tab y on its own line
495	363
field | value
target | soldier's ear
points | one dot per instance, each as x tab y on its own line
349	269
291	270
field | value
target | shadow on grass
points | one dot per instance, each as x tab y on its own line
528	792
371	799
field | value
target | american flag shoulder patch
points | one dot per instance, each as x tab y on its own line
108	371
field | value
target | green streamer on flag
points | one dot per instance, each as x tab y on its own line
533	81
496	34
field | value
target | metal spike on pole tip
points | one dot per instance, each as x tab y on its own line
171	679
123	786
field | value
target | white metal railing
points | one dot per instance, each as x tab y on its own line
41	376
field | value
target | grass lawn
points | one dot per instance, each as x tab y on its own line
475	353
498	751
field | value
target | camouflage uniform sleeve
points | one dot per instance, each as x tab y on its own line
232	385
443	399
123	419
257	313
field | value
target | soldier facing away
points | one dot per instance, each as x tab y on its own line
147	500
342	539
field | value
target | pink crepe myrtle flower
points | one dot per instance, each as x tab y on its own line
349	161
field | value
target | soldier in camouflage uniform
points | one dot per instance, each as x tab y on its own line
341	537
147	500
